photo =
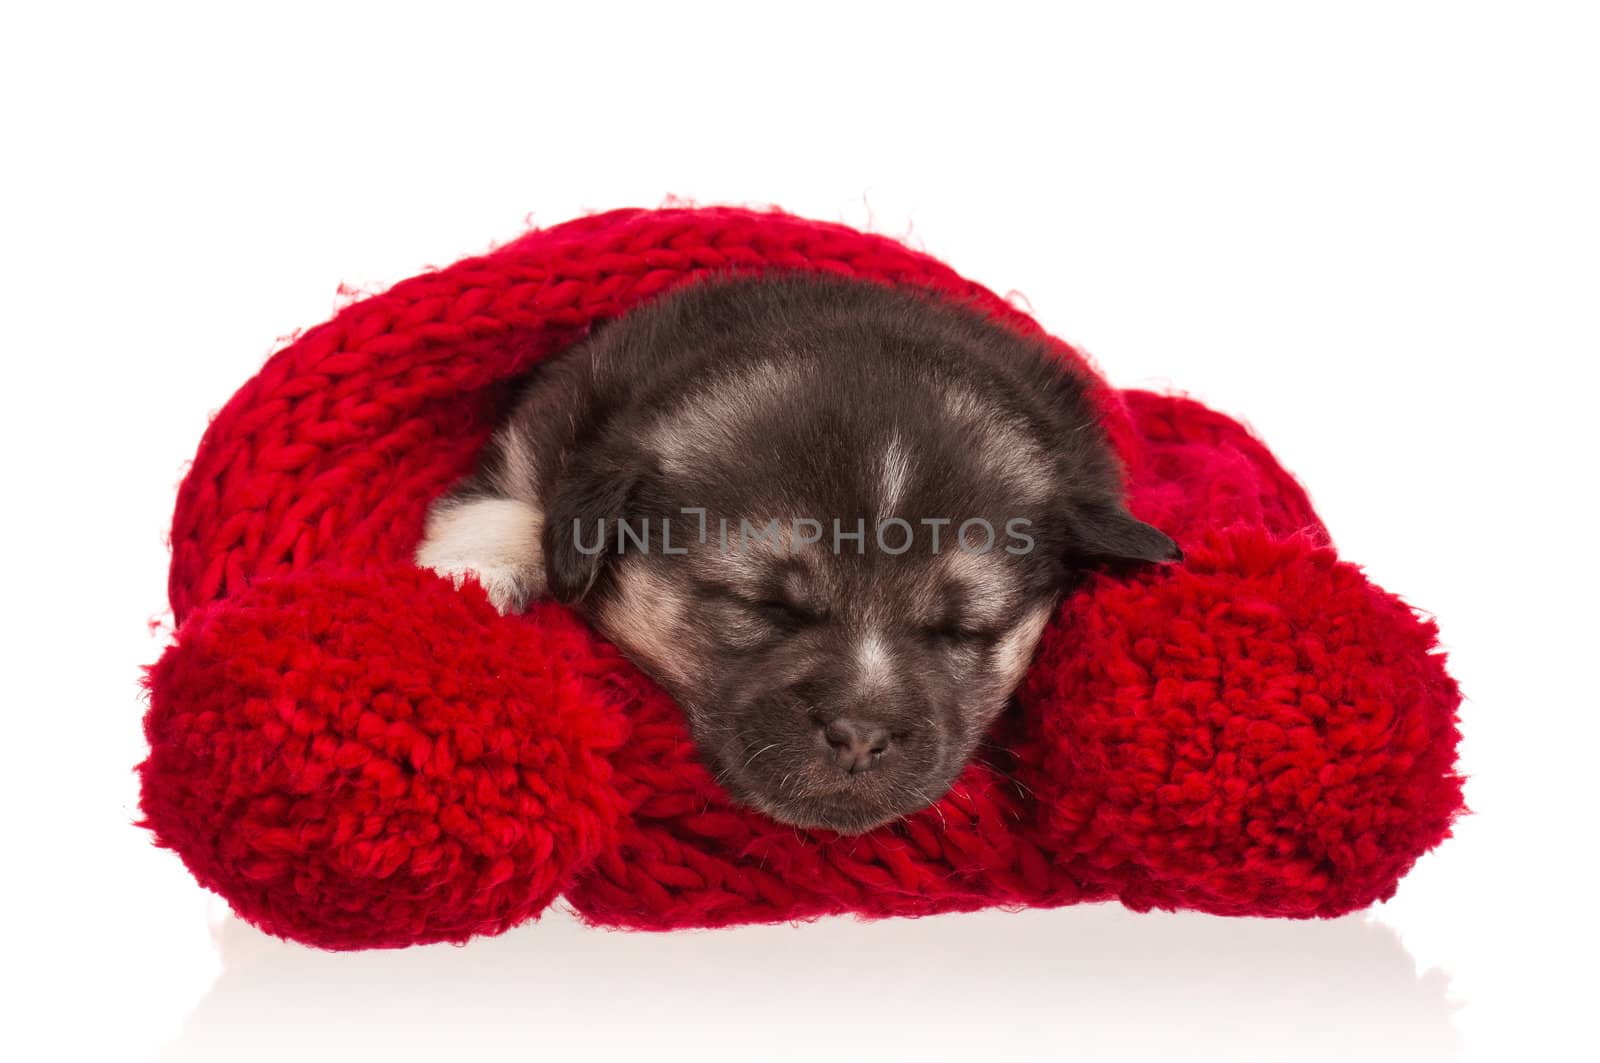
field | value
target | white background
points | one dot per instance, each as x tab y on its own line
1371	230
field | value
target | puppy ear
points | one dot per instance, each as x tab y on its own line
1106	531
580	525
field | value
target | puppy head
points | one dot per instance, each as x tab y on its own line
842	604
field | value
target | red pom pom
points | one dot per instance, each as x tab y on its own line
359	759
1260	731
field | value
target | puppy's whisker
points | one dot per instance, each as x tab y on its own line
931	804
757	753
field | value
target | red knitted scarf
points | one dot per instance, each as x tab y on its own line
356	754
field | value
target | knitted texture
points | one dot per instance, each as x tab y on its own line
356	754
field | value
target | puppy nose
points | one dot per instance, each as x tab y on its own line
856	745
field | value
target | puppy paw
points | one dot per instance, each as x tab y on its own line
507	587
492	541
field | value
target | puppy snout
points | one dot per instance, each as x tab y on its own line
856	745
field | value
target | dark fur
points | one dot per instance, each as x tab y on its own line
829	689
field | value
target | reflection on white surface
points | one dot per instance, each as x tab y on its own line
1091	981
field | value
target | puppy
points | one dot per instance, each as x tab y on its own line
830	518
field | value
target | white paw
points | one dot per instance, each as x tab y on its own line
492	541
507	589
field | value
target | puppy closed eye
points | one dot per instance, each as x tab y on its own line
959	634
785	614
776	611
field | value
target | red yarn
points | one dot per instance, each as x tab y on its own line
355	754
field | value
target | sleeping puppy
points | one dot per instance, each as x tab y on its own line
830	518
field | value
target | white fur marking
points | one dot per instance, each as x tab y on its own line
707	422
1005	446
896	475
492	540
979	577
1015	651
518	470
643	619
872	657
